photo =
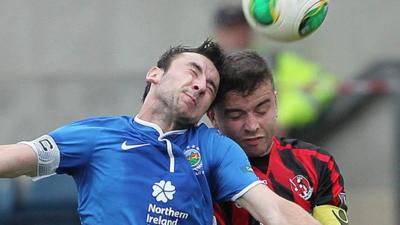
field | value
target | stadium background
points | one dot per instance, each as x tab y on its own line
64	60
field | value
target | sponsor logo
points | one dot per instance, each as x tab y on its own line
192	154
300	185
46	144
46	149
164	215
163	191
125	146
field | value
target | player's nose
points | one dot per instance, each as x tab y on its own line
251	123
199	86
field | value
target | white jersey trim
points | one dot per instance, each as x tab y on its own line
242	192
162	137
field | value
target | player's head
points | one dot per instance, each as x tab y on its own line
245	107
184	82
231	28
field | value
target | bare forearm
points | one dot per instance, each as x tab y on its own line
270	209
287	213
294	214
17	160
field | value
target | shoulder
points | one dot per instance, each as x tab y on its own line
292	143
214	142
93	125
212	135
297	146
101	122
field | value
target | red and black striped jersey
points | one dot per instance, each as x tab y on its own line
296	170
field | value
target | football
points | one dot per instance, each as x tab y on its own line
285	20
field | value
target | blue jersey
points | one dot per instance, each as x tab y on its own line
129	171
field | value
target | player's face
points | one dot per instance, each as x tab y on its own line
189	86
249	120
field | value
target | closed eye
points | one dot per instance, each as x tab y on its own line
233	114
263	106
211	86
193	72
195	68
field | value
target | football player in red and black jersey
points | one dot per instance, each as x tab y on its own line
245	110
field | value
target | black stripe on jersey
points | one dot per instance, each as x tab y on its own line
299	144
326	187
341	180
280	189
324	193
226	211
292	163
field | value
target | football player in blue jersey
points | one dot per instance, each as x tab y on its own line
158	167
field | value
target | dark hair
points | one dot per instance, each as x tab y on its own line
229	16
208	48
243	72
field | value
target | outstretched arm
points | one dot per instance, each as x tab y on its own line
271	209
17	160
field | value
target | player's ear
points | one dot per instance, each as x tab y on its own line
154	75
211	117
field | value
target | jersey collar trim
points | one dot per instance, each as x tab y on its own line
158	128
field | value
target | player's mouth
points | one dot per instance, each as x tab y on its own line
253	140
191	98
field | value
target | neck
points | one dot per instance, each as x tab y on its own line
161	115
268	150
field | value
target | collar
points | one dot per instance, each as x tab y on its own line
153	127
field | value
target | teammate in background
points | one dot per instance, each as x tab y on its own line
245	110
305	89
158	167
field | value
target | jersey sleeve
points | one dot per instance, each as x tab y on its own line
331	186
75	142
232	175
